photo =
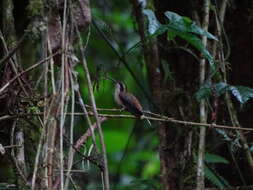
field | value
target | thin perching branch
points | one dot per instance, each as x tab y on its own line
160	118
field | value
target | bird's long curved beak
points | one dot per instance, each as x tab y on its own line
109	78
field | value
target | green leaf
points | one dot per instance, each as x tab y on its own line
195	42
216	179
251	149
242	93
185	28
154	24
204	92
211	174
180	26
207	89
186	25
221	88
214	158
151	169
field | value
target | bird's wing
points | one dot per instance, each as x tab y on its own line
131	103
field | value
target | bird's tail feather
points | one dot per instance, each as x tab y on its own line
148	122
144	117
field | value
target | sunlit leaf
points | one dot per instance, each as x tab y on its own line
182	27
242	93
185	24
152	167
153	23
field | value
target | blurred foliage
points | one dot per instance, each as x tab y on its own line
132	147
215	178
211	162
241	93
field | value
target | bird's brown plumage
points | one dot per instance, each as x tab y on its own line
131	103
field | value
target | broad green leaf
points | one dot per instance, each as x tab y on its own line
214	158
182	27
154	24
204	92
195	42
207	89
221	88
242	93
236	93
185	28
212	175
216	179
171	34
185	24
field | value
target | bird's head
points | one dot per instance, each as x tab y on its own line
120	86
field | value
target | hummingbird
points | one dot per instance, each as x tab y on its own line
127	100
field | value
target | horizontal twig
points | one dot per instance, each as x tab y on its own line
160	118
73	171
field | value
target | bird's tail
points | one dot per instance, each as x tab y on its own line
148	122
144	117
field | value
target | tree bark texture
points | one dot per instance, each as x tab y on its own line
238	27
32	21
